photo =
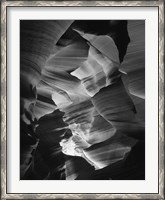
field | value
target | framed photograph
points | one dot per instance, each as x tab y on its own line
82	100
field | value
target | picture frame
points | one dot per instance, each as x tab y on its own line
5	111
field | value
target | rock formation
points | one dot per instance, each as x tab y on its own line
82	100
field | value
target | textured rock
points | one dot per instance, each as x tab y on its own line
37	41
134	62
80	115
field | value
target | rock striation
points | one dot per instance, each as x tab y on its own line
82	100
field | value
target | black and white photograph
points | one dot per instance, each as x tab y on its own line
82	100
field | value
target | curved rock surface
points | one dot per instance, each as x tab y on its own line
82	99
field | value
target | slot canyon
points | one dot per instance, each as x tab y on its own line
82	99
